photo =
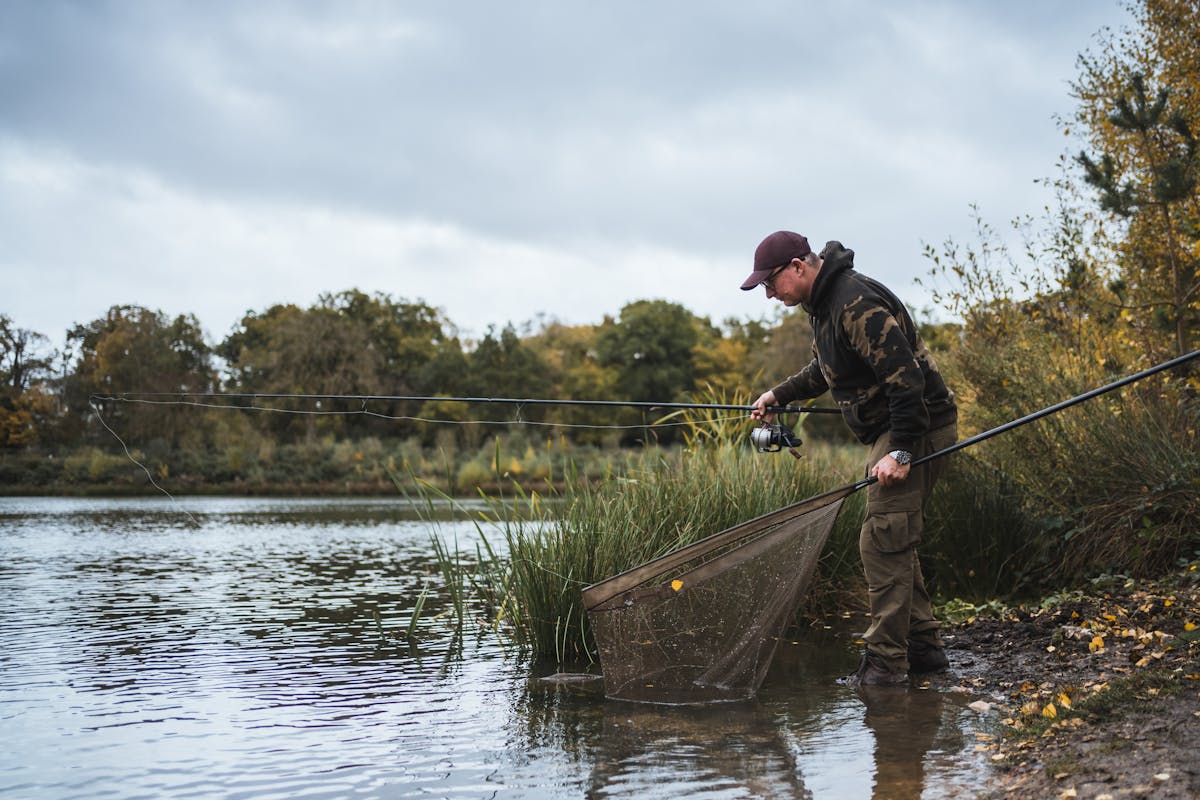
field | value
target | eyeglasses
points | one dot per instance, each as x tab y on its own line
770	279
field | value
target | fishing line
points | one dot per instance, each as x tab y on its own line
647	404
147	399
363	411
96	410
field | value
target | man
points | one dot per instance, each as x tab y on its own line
869	356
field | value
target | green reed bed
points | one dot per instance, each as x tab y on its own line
537	554
663	500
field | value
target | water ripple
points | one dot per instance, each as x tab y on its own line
143	657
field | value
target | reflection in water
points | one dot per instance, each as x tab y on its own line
141	656
721	750
905	723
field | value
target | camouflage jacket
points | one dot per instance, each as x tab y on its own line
868	354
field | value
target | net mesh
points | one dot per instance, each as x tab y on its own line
701	624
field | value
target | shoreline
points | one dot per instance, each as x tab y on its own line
1094	694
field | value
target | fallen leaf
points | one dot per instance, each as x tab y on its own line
677	584
1162	776
1064	700
1096	644
1189	626
1050	712
982	706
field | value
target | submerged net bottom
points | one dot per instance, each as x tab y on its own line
705	630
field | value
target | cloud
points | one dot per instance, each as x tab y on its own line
499	160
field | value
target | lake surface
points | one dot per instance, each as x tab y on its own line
229	648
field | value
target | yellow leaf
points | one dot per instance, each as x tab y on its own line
1097	643
1168	603
1050	712
1110	617
1189	626
1064	700
677	584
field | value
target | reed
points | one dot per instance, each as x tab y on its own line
979	543
664	500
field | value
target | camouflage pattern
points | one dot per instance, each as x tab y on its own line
901	611
868	355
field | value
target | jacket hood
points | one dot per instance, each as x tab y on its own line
836	260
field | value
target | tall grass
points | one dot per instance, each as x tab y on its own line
982	540
662	500
1116	480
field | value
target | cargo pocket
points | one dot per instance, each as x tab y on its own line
894	531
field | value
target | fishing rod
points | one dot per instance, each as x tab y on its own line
528	401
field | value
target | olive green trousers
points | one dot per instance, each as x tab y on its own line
887	543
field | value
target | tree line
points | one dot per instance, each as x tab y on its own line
354	343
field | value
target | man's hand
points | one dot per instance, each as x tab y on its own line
760	407
889	471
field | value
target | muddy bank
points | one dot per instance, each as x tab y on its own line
1094	693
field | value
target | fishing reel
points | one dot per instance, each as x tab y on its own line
771	438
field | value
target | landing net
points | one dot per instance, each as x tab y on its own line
701	624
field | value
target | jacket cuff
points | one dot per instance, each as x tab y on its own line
783	394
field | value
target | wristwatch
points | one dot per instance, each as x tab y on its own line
902	456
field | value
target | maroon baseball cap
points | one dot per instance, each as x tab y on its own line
773	252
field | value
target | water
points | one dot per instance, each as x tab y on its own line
142	656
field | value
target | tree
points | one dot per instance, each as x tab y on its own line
502	366
315	351
135	349
575	372
405	334
1149	177
651	346
25	400
1139	110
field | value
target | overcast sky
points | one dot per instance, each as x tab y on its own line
501	160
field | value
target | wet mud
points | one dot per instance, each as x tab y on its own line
1094	694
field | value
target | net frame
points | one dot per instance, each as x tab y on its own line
672	631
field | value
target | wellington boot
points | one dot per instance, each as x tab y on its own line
873	671
924	658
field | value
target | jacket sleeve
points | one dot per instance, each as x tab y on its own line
804	385
879	339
